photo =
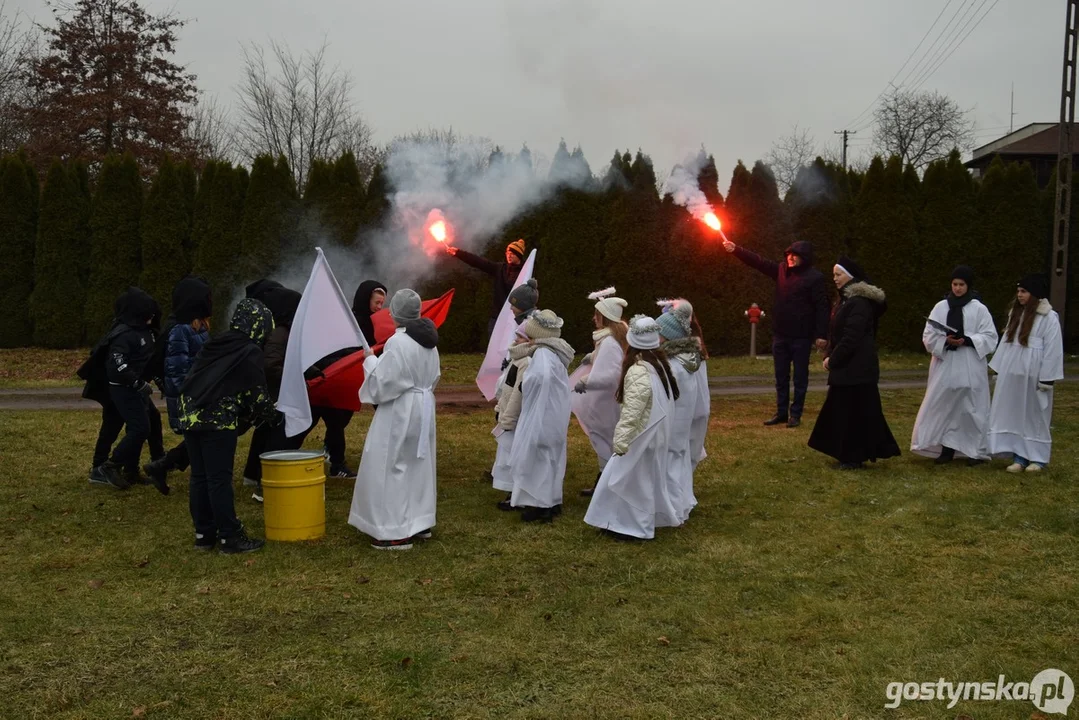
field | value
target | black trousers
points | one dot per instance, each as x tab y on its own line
213	507
786	352
130	406
336	421
112	422
178	458
268	439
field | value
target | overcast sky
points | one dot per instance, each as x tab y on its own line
732	75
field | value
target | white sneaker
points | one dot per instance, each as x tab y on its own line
1014	468
1034	467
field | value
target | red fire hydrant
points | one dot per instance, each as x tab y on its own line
754	313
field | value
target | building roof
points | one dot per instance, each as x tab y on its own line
1033	139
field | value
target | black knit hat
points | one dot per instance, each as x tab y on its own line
853	268
1036	284
964	273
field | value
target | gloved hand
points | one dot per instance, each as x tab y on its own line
1045	387
581	387
505	363
145	388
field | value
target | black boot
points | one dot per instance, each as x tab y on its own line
157	471
946	456
777	419
239	543
534	514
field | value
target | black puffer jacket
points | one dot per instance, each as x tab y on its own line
852	342
801	304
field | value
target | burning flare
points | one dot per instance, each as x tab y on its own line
712	221
438	231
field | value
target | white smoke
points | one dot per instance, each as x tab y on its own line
683	187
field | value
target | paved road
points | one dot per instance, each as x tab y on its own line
451	396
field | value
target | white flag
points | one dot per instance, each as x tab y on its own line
502	337
323	325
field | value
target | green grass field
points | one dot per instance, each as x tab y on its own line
794	591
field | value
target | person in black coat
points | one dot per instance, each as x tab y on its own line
115	376
369	298
504	274
800	321
851	427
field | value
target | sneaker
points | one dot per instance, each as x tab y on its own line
794	422
507	504
405	544
108	474
1034	467
257	495
157	472
1015	468
239	543
342	471
777	419
205	543
249	482
423	535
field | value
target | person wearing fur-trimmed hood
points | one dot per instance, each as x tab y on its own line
1028	362
596	381
537	408
851	427
683	351
394	497
632	498
954	416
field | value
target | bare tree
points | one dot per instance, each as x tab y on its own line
788	155
211	131
302	108
18	50
921	127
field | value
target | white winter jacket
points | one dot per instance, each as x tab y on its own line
636	407
508	407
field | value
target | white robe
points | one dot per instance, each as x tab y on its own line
538	459
597	409
500	471
702	414
631	496
680	445
394	495
955	410
1020	414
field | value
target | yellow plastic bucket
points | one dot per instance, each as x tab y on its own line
294	494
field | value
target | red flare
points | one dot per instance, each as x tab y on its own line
438	231
712	221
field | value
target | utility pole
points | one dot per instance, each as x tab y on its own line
1011	118
846	134
1058	293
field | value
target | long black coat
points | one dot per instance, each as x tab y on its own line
852	341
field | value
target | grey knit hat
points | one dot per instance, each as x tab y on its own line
525	296
405	305
676	322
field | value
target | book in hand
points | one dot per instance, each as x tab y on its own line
941	326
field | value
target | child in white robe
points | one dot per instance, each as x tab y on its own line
394	497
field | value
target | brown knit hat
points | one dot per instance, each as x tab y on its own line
542	324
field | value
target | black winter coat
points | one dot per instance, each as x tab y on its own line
852	341
801	304
504	276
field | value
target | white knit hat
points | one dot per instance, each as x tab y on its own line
608	306
643	333
542	324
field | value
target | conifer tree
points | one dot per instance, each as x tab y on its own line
116	253
63	240
165	230
18	201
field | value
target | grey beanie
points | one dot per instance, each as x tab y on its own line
405	305
525	296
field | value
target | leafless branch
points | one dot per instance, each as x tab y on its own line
921	127
301	108
788	155
211	131
18	48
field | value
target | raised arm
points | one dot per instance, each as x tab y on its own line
755	261
480	263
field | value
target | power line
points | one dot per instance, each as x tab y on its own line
944	39
889	83
957	46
